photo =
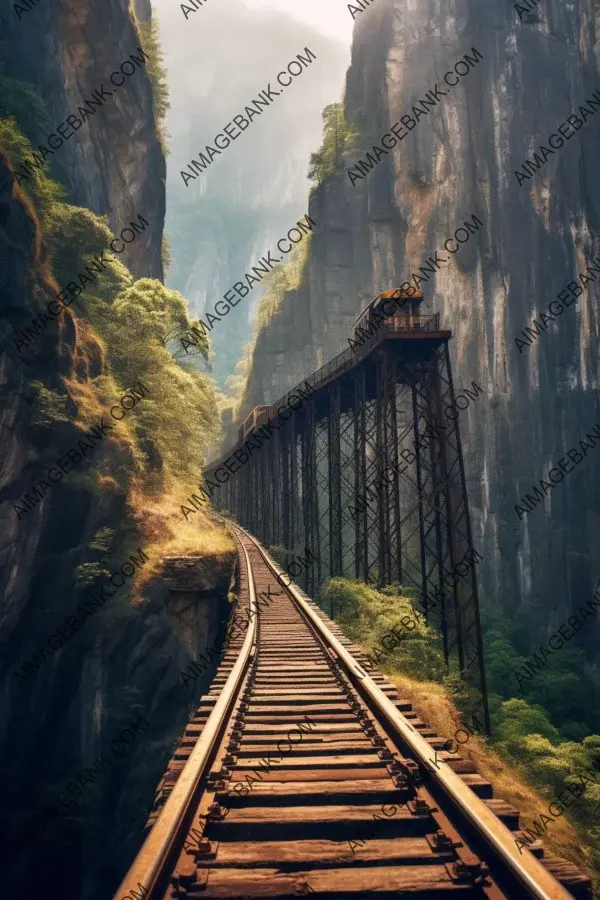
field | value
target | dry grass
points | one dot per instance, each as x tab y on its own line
433	705
165	531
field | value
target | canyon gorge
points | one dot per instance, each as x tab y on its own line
534	69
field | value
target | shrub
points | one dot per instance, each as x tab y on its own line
88	574
19	101
48	406
102	540
367	614
38	186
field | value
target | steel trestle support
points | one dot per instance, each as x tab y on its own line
368	475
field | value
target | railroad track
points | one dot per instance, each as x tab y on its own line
301	773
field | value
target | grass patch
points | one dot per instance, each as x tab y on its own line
528	760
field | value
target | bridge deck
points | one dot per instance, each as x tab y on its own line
340	365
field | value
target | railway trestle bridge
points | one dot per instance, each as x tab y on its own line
366	472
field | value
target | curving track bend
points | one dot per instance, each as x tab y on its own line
300	773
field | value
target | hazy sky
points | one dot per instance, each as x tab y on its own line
217	59
331	17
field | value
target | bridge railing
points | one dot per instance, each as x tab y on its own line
406	323
412	323
346	358
338	364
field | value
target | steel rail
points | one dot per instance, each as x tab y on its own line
149	864
527	870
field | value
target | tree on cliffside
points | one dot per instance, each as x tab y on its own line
338	137
135	323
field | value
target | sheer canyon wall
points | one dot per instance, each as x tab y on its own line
67	695
113	162
540	63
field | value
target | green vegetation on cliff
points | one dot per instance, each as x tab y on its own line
127	332
541	743
290	276
338	138
150	39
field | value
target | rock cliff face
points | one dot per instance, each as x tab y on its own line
61	711
74	806
458	160
113	164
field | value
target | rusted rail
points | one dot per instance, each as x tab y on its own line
302	773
